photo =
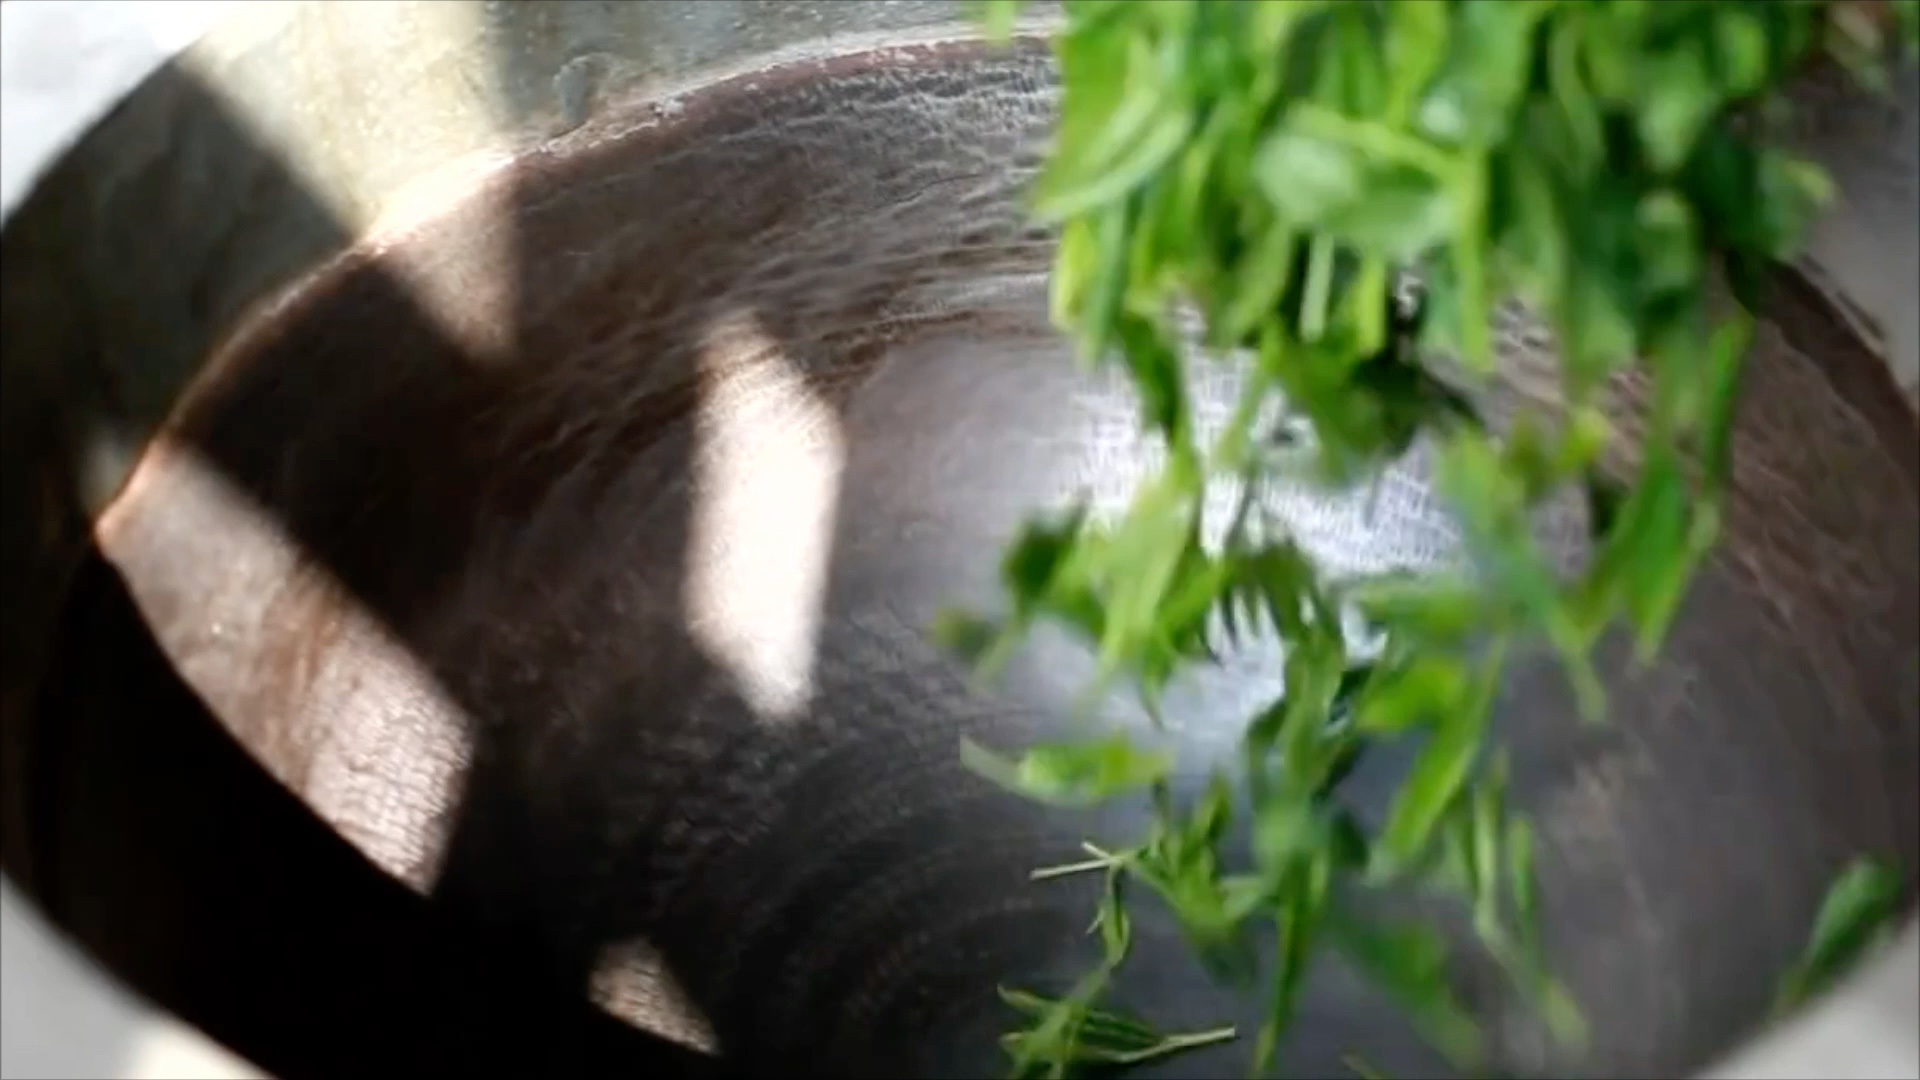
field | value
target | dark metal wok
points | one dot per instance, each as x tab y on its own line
517	597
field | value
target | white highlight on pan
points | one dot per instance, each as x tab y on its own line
768	457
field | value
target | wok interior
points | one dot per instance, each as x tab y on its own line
568	549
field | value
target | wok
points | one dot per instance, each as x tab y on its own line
476	481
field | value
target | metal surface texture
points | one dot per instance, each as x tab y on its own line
517	588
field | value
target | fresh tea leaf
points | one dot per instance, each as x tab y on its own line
1273	169
1409	963
1439	774
1112	922
1068	1035
1071	774
1856	914
1035	560
997	18
976	640
1385	208
1421	690
1520	879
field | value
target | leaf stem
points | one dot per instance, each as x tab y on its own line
1469	265
1177	1044
1313	314
1046	873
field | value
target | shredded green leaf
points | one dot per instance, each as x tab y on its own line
1292	171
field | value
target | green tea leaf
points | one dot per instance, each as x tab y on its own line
1306	177
1520	879
1381	207
1283	830
1151	152
1603	504
1489	827
997	18
1067	1035
1273	169
972	638
1725	359
1409	963
1439	774
1856	914
1297	919
1560	1012
1422	690
1112	921
1681	96
1048	1046
1157	377
1418	37
1434	610
1071	774
1034	561
1476	97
